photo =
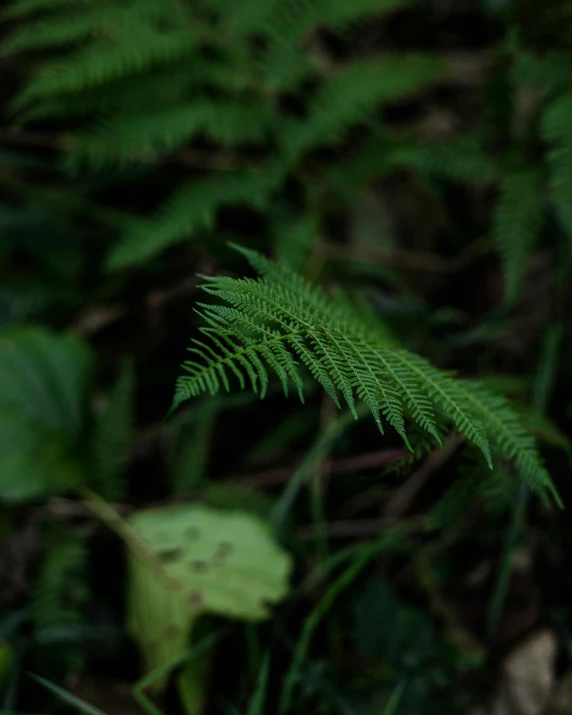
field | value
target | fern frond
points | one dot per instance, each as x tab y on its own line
508	435
58	601
111	437
192	448
287	22
51	603
341	15
492	489
294	241
516	225
463	159
278	323
192	208
557	132
21	8
353	93
545	73
124	39
556	119
148	135
383	152
53	31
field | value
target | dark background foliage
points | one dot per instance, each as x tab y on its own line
414	157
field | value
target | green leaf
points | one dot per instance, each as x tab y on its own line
198	560
516	225
280	323
44	380
192	208
111	438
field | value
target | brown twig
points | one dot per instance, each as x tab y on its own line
370	460
413	260
68	508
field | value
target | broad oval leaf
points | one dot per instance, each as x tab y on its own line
194	559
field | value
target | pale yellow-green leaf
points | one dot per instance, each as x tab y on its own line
199	560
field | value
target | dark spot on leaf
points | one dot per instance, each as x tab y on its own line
222	551
172	632
192	533
198	566
196	599
169	555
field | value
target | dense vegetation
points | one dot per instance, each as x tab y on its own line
358	210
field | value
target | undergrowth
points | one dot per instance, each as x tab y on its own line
359	211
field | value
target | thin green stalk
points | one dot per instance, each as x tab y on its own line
314	619
305	471
395	698
256	706
67	697
543	383
202	647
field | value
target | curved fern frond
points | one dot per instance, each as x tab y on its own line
352	94
461	159
557	132
145	136
52	606
21	8
191	208
516	225
105	41
279	323
493	490
58	599
111	437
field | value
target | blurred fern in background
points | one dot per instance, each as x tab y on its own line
398	176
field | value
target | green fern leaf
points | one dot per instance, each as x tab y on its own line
352	94
58	602
516	225
52	32
294	240
191	452
125	39
192	208
339	16
148	135
279	322
463	159
21	8
52	605
111	438
557	132
508	435
545	73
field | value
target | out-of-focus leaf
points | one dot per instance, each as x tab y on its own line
44	379
199	560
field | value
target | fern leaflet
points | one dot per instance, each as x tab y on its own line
516	225
191	208
111	437
281	322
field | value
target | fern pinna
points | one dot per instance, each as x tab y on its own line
281	322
